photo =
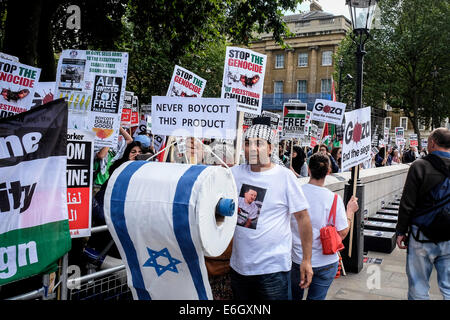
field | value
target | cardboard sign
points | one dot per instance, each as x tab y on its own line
93	83
413	142
399	132
328	111
243	78
80	158
357	138
18	83
44	93
185	83
294	120
194	117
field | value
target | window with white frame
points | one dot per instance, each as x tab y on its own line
301	89
279	61
404	123
387	122
327	59
421	125
278	92
303	59
325	86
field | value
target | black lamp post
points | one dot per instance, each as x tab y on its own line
361	12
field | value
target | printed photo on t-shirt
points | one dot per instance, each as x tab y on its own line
249	205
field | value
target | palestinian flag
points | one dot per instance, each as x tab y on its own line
34	228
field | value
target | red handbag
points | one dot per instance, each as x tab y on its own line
330	238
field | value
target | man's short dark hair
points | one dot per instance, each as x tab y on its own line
319	165
441	136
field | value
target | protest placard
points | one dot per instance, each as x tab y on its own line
294	119
399	132
45	92
185	83
135	111
93	83
80	158
243	78
357	138
194	117
328	111
413	142
18	83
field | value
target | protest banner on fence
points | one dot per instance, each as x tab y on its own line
45	92
93	82
328	111
185	83
18	83
34	229
243	78
80	159
357	138
194	117
294	119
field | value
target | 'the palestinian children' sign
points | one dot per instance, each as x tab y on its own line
243	78
18	83
328	111
357	138
34	229
194	117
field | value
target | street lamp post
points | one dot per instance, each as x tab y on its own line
361	12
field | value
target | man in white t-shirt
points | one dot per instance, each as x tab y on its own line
320	201
261	256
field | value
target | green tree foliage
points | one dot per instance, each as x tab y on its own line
401	57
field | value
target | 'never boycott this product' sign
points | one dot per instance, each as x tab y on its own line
80	158
34	230
194	117
357	138
93	82
185	83
18	83
328	111
243	78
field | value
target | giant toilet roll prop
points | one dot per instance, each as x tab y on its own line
165	218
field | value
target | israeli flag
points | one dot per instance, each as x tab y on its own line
151	210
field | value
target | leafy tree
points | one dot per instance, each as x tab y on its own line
401	58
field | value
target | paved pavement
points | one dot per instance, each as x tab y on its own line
385	281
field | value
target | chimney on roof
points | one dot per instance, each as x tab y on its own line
315	6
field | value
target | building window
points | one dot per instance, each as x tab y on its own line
421	126
325	88
404	123
387	122
302	24
278	92
301	89
279	61
303	59
327	21
327	58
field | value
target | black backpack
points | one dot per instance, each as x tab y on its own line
434	221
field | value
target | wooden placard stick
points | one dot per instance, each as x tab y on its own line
239	133
350	243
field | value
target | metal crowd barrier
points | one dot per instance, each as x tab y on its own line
105	284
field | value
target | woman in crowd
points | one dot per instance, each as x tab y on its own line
324	150
380	158
324	266
299	166
336	153
395	157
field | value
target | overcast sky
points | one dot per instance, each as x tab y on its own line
336	7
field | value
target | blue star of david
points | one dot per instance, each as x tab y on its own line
159	268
